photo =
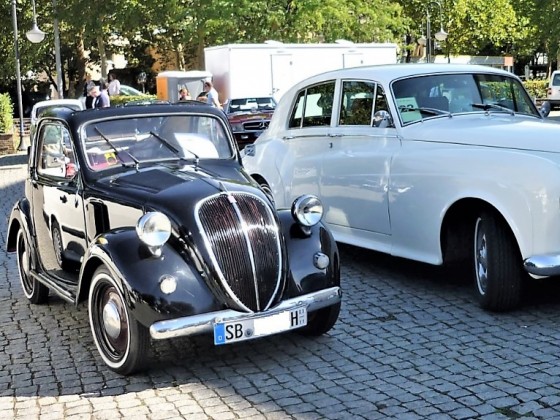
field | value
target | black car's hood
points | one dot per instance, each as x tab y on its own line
175	188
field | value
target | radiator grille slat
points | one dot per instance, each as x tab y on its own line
243	238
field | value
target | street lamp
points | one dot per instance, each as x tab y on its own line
35	35
439	36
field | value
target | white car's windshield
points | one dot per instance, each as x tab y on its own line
426	96
154	138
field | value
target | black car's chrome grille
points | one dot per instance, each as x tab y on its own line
242	237
256	125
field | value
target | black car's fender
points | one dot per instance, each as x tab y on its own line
139	273
304	245
20	218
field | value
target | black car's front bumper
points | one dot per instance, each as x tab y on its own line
203	323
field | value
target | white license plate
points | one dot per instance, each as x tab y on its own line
234	331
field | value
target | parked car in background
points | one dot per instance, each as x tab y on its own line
130	91
146	213
553	90
249	117
435	163
40	107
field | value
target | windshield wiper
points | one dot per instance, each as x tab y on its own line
174	149
487	107
110	143
425	110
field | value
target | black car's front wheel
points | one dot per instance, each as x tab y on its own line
321	321
121	340
498	272
35	291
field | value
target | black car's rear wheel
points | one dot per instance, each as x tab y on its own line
57	244
321	321
122	342
35	291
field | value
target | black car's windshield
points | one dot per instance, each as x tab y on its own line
460	93
154	138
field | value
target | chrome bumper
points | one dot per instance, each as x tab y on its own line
543	265
203	323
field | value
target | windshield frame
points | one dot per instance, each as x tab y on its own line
215	145
456	93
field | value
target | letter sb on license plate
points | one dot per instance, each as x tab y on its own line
233	331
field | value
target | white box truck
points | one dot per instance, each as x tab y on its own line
269	69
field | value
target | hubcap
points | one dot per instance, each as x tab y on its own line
57	246
111	320
481	259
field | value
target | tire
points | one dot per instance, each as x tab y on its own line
33	290
321	321
57	244
498	273
267	190
122	342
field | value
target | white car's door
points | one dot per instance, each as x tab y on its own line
355	171
307	139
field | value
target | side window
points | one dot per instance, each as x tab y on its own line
382	114
356	103
55	155
313	106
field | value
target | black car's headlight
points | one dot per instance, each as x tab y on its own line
307	210
154	229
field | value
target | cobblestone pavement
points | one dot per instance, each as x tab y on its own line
410	343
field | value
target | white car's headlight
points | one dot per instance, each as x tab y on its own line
307	210
154	229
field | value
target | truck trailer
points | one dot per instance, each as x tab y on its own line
269	69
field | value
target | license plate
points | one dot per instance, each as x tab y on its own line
234	331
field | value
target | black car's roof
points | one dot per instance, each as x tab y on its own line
77	118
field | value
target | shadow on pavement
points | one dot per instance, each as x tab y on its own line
15	159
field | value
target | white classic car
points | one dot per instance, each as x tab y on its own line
435	163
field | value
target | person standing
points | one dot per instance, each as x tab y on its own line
211	94
88	85
114	85
100	97
184	94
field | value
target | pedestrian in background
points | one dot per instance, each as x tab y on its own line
211	94
114	85
184	95
88	85
100	97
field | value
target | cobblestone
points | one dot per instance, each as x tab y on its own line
411	343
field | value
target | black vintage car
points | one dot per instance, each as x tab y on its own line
146	213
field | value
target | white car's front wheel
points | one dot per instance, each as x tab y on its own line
498	271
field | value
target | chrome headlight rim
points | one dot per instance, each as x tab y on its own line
153	229
307	210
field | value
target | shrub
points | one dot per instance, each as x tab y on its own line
536	88
123	99
6	114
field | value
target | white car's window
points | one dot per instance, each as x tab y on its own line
356	105
422	97
313	106
127	141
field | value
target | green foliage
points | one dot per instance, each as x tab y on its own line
6	114
536	88
123	99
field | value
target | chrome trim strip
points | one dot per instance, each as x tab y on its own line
203	323
543	265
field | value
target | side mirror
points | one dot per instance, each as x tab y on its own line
545	109
382	119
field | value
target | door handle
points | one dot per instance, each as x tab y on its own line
63	198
